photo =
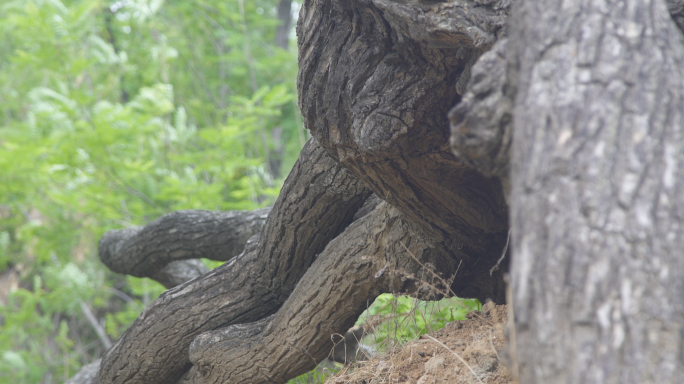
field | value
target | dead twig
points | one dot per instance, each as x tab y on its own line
96	326
503	254
447	286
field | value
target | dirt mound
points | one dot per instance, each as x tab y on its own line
434	358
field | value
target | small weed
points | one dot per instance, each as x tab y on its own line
393	321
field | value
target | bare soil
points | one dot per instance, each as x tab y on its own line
433	359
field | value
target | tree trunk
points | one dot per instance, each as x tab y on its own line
597	200
164	249
376	80
317	199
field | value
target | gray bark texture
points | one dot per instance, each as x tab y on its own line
676	9
164	249
376	80
332	294
178	272
597	198
229	325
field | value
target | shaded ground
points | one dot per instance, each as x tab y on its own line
479	340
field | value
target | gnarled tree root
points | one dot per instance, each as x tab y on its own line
317	202
161	249
345	278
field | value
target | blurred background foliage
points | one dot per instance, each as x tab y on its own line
113	113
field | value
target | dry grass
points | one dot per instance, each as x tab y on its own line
464	352
444	356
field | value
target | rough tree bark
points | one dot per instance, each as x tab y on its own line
597	198
165	249
331	296
592	94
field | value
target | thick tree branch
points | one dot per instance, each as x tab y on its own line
329	298
317	202
181	235
342	282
